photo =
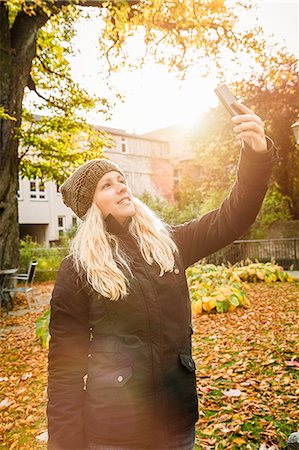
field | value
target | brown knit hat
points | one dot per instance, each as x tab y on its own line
78	190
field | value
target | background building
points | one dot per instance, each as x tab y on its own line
148	161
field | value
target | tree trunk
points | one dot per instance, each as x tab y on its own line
9	236
18	45
17	51
9	229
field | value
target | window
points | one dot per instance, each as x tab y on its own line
20	190
61	225
60	221
37	190
123	145
32	189
42	190
74	221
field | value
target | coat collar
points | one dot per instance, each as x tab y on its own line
114	227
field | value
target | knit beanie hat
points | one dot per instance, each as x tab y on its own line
78	190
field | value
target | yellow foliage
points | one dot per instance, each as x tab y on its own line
197	307
219	296
208	303
223	291
224	288
239	441
260	275
246	303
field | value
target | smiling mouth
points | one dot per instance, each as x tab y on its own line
124	201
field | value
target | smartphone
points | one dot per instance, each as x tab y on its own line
228	99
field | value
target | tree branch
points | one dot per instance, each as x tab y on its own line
25	27
32	87
95	3
24	153
47	69
24	31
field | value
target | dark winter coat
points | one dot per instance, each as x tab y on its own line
141	384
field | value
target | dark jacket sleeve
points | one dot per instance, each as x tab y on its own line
67	364
203	236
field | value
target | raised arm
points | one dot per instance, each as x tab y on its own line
201	237
68	356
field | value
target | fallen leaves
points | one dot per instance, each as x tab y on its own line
239	441
5	403
232	393
247	371
293	363
42	437
25	376
264	447
23	379
247	376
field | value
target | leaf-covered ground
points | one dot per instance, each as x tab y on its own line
247	374
23	378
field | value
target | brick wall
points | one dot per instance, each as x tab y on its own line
162	178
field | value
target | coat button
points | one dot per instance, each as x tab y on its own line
120	378
176	271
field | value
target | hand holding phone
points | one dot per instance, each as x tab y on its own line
228	99
249	127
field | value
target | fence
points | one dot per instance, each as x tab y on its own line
284	251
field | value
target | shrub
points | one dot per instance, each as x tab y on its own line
221	289
42	329
49	259
173	214
27	247
275	207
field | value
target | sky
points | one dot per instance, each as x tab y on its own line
154	97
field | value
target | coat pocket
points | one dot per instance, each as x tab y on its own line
109	370
179	386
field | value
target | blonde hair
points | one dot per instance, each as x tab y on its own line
98	253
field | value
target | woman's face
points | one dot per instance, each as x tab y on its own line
113	196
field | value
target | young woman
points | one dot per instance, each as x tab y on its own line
121	373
